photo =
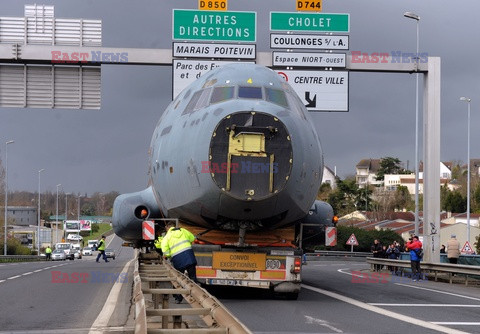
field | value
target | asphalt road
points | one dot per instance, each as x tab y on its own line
64	296
334	301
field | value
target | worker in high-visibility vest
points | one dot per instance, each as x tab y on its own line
48	253
177	245
158	244
101	249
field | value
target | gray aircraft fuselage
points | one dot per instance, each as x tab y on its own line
235	148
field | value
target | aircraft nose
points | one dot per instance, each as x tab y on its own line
250	155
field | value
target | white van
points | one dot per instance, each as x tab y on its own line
93	244
67	248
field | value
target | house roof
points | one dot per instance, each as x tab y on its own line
372	164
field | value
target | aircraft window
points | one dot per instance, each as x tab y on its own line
198	101
221	94
203	99
250	92
276	96
191	105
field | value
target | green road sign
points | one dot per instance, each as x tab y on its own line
320	22
214	25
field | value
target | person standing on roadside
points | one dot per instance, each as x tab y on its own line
48	253
377	251
414	246
101	250
453	249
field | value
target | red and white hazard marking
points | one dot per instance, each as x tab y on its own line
148	230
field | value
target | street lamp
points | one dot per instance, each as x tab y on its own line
6	196
66	210
56	218
78	207
463	98
415	17
38	227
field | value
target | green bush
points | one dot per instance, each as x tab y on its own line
14	247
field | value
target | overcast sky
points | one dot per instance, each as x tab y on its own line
105	150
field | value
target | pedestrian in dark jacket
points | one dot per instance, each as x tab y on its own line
392	253
377	251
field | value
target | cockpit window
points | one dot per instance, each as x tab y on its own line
221	94
276	96
249	92
198	101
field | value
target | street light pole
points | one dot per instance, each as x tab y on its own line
38	227
415	17
66	210
56	218
468	100
6	196
78	208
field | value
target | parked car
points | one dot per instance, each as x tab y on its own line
74	237
87	251
110	253
58	255
77	254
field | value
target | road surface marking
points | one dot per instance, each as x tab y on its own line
109	306
394	315
457	323
29	273
312	320
36	271
1	281
14	277
438	291
424	305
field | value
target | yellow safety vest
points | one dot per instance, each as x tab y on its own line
176	241
101	245
158	242
48	250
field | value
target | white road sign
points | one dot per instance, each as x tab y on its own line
315	42
320	90
308	59
187	71
217	50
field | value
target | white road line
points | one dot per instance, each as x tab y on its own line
1	281
38	270
29	273
394	315
438	291
424	305
312	320
109	307
457	323
13	277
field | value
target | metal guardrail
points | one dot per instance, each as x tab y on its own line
157	315
21	258
436	268
339	253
